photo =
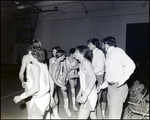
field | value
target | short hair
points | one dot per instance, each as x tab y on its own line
94	41
85	52
60	53
72	51
111	41
38	53
36	42
56	48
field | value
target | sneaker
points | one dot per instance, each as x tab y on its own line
75	108
55	117
68	112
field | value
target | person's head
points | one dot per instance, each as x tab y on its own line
54	50
36	53
82	51
72	51
36	43
60	54
108	42
93	43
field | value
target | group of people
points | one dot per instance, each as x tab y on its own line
108	67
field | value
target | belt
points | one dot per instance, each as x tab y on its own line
39	96
121	85
111	84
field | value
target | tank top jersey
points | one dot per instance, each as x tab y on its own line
51	61
70	65
84	83
44	81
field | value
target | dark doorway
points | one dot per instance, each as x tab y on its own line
137	47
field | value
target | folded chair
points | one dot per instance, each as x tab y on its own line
134	87
136	100
141	109
137	95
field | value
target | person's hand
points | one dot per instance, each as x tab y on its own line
52	102
78	97
116	85
17	99
63	88
24	84
98	89
83	99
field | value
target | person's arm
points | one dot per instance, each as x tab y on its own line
65	71
127	63
54	68
89	69
75	71
74	67
22	69
50	62
51	82
35	71
79	95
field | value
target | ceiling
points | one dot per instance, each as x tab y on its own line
63	7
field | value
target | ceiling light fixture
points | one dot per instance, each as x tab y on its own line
16	2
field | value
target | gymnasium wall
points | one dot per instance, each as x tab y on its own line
74	29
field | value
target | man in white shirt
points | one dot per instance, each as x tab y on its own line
119	67
98	62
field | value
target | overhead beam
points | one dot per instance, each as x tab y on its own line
12	6
85	9
144	4
59	9
33	6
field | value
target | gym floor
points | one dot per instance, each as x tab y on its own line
11	86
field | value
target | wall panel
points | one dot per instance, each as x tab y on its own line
101	27
65	33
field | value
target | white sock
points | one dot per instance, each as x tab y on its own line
74	104
48	115
66	107
55	112
103	112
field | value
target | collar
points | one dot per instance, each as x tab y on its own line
95	50
110	49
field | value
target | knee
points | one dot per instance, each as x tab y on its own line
73	90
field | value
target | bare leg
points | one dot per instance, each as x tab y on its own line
72	85
83	114
66	103
55	109
93	115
